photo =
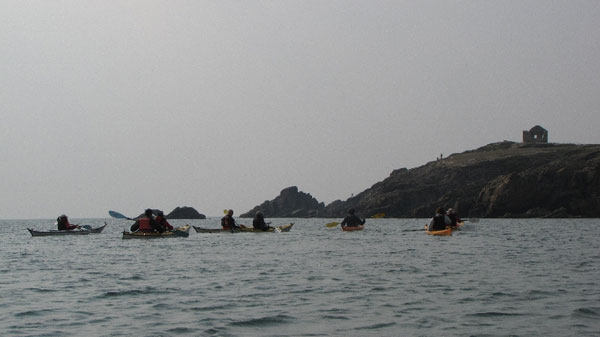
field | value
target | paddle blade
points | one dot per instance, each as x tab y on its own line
225	211
378	215
87	227
332	224
117	215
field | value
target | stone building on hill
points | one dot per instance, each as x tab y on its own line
536	134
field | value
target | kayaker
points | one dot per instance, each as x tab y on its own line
228	222
259	222
454	219
440	220
352	220
162	221
147	223
63	223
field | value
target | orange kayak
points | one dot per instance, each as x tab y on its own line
353	228
443	232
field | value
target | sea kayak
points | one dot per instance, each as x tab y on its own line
179	232
443	232
242	228
353	228
80	231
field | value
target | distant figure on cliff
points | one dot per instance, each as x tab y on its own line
259	222
454	219
439	221
63	223
351	220
228	222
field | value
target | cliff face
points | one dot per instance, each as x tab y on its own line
290	203
498	180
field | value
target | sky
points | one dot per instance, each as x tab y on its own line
128	105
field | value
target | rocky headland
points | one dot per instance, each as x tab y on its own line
501	180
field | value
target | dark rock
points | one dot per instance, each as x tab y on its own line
185	213
290	203
498	180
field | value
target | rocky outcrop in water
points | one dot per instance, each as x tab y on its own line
185	213
290	203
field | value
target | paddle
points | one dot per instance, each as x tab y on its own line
332	224
378	215
118	215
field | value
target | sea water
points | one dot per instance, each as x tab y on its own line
492	278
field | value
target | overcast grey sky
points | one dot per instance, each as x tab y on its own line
126	105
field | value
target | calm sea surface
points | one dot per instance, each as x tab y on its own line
493	278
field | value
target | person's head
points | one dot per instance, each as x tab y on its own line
259	214
440	210
161	214
63	216
148	213
450	211
230	212
351	211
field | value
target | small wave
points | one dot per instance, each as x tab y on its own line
263	321
586	312
495	314
376	326
210	308
379	289
33	313
41	290
335	317
132	292
502	294
181	330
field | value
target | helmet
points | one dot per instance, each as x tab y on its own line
148	212
160	213
259	213
62	216
450	211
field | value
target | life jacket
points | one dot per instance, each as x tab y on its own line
226	222
439	222
145	225
163	222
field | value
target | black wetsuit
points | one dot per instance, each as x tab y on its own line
438	223
352	220
228	222
259	223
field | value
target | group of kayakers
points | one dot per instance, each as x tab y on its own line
228	222
443	219
149	223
